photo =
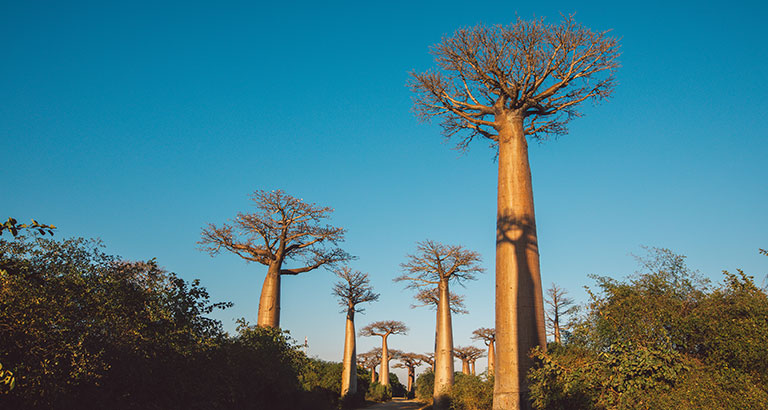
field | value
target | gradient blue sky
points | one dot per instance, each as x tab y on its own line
139	122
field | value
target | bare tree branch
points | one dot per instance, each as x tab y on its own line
527	68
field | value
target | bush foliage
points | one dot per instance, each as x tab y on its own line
665	338
83	329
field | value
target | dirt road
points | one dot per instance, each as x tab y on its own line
396	404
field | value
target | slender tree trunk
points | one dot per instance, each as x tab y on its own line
384	373
269	303
556	327
349	369
519	298
472	366
373	374
444	351
411	373
465	366
491	357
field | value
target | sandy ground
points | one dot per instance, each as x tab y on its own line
396	404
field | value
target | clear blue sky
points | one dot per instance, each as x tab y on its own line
140	122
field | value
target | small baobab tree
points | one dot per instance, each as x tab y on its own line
507	84
429	358
468	355
369	360
283	228
559	308
488	336
410	361
436	265
384	329
353	289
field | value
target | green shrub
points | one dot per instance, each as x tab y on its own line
425	386
378	392
471	393
662	339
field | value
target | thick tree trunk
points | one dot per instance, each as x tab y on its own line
349	363
269	303
373	374
444	350
491	357
519	299
465	366
384	373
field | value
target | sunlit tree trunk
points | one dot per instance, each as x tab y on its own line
384	373
373	374
465	366
444	351
519	298
556	326
349	373
269	303
472	366
491	357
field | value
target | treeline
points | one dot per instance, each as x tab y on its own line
83	329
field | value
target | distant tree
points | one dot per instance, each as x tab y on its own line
488	336
560	307
353	289
410	361
384	329
370	360
431	298
429	358
504	83
283	228
468	355
435	265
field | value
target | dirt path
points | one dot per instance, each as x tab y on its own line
396	404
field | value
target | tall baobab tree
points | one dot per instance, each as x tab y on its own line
560	306
370	360
353	289
506	83
468	355
283	228
410	361
384	328
488	336
435	265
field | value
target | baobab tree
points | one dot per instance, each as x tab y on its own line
435	265
353	289
429	358
560	306
369	360
283	228
410	361
468	355
384	328
488	336
503	84
431	298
